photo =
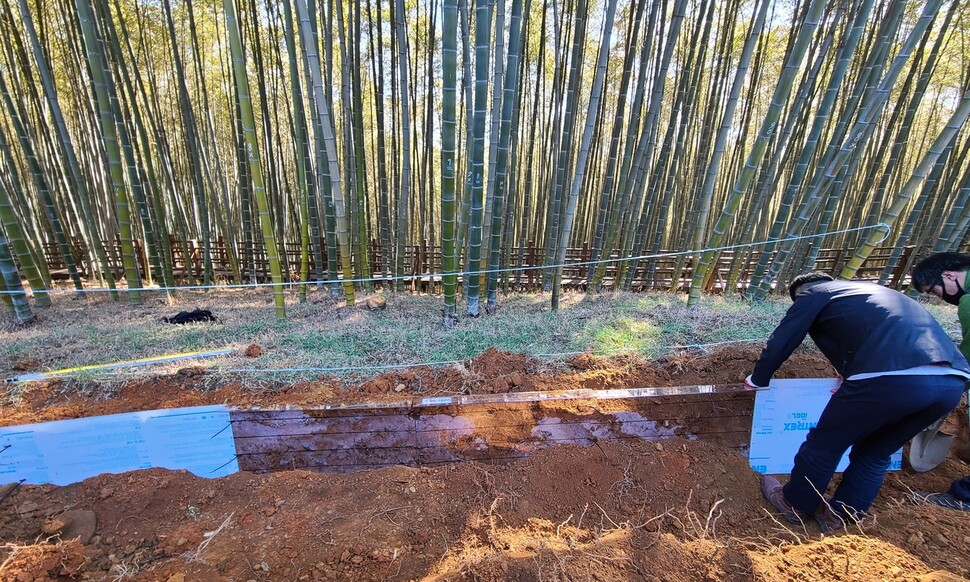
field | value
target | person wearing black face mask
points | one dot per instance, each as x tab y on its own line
953	298
945	275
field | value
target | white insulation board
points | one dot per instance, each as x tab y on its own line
197	439
783	414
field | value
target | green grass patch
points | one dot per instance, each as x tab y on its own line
623	334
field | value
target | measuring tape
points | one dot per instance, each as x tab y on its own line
548	396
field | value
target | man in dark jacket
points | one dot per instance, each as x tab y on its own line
901	373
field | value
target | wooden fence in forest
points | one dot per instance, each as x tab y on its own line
423	265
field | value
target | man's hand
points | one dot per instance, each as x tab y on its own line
838	382
751	385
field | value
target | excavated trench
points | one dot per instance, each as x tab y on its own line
487	428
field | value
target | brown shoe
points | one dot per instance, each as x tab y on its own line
771	488
828	520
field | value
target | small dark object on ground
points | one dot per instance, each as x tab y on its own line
75	523
183	317
253	351
26	365
191	371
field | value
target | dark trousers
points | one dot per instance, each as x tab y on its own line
961	489
875	417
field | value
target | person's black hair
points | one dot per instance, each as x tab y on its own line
929	271
807	278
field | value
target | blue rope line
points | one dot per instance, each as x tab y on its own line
459	273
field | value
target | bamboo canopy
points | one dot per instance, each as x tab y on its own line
484	141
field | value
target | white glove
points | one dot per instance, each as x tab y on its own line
748	383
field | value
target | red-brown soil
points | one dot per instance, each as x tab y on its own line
676	509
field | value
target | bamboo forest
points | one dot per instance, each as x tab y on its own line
483	146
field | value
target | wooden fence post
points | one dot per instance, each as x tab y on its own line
532	262
899	271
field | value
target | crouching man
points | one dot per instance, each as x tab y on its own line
901	373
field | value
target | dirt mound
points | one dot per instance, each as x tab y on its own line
849	557
676	509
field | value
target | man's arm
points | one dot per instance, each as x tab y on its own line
788	336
